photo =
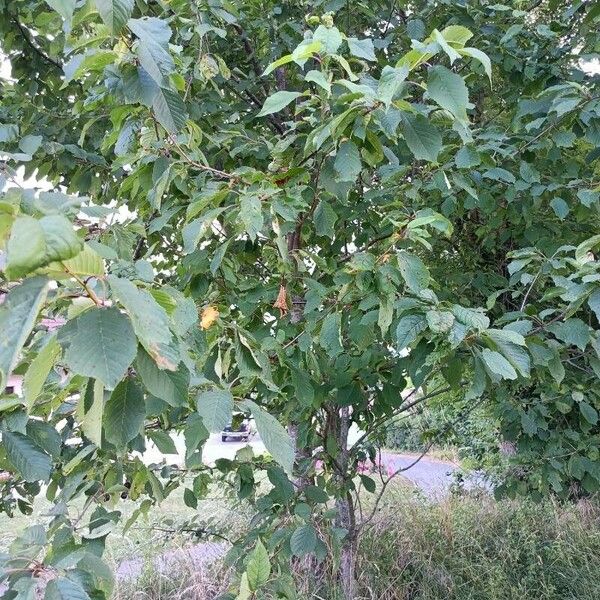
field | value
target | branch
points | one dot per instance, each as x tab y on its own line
36	49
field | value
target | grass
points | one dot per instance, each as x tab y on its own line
462	548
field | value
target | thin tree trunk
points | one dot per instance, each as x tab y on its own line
345	510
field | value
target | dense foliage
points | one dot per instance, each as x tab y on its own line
261	207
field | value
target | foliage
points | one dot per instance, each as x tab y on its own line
340	193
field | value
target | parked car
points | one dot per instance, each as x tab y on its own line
240	431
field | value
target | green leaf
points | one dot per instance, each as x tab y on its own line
32	463
449	90
390	82
480	56
573	332
422	138
150	322
38	371
560	208
274	436
330	37
99	343
303	540
258	567
18	313
582	250
90	411
152	48
277	101
124	413
114	13
408	330
330	337
319	78
215	408
65	589
413	271
251	215
362	48
347	163
498	365
170	386
64	8
470	317
439	321
169	109
325	218
590	414
164	442
512	349
594	303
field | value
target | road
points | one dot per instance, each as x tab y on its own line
432	476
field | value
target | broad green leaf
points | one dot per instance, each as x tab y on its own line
124	413
330	37
64	8
18	313
330	337
413	271
62	588
251	215
408	330
390	82
258	567
274	436
446	47
449	90
319	78
163	441
423	139
90	411
169	109
32	463
152	48
471	317
85	264
38	371
514	352
362	48
277	101
303	540
215	408
99	343
245	593
150	322
560	207
482	57
582	250
439	321
347	163
594	303
572	332
325	218
170	386
590	414
498	365
115	13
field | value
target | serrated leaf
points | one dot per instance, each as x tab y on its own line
498	365
439	321
152	49
170	386
258	568
303	540
362	48
169	109
572	332
274	436
215	408
32	463
319	78
449	90
65	589
277	101
99	343
347	163
329	37
590	414
390	82
114	13
330	337
251	215
124	413
38	371
413	271
408	330
90	410
480	56
18	313
470	317
150	322
422	138
64	8
163	441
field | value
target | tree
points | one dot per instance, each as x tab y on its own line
319	214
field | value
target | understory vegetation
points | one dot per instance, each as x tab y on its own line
463	548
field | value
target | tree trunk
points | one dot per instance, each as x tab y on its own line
345	510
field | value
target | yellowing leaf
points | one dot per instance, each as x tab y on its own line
209	315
